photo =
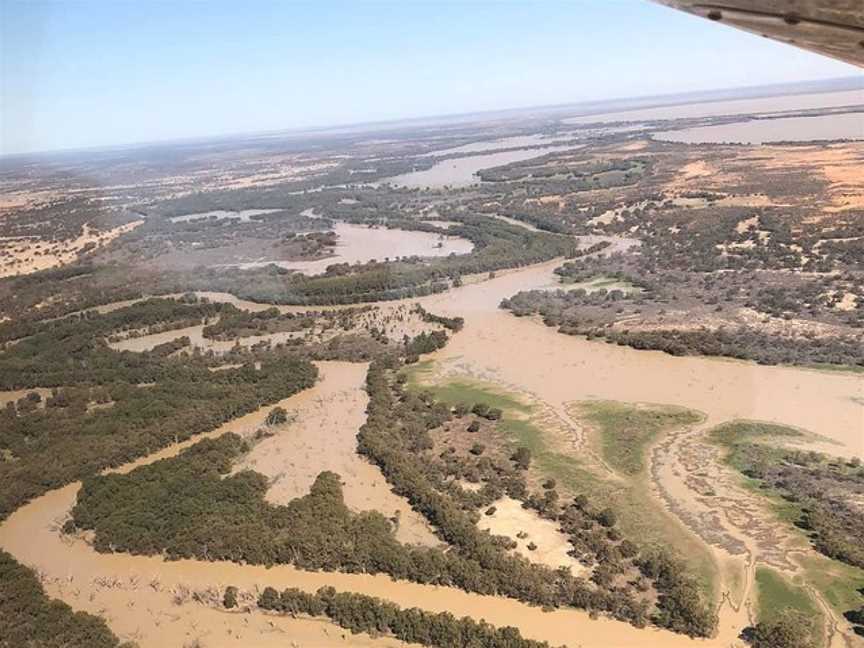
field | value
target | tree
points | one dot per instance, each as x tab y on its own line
230	598
277	416
522	458
607	517
474	426
480	409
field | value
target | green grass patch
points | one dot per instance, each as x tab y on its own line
463	390
838	582
738	432
776	592
625	430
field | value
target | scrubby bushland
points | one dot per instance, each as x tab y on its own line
29	618
577	312
360	613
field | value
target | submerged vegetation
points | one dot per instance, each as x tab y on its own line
29	618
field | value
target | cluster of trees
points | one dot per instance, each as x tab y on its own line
790	628
360	613
856	618
424	342
187	507
234	323
29	618
454	324
594	248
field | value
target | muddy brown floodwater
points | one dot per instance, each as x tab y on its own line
146	598
323	436
361	244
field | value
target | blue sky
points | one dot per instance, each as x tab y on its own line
78	74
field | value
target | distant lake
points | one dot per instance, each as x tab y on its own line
729	107
517	141
784	129
462	172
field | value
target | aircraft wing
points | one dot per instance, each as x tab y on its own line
831	27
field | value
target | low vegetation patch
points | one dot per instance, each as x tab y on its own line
776	595
627	430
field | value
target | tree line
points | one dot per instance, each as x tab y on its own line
361	613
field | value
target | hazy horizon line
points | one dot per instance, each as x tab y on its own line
803	87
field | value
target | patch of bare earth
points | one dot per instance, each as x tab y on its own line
22	256
537	539
840	164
